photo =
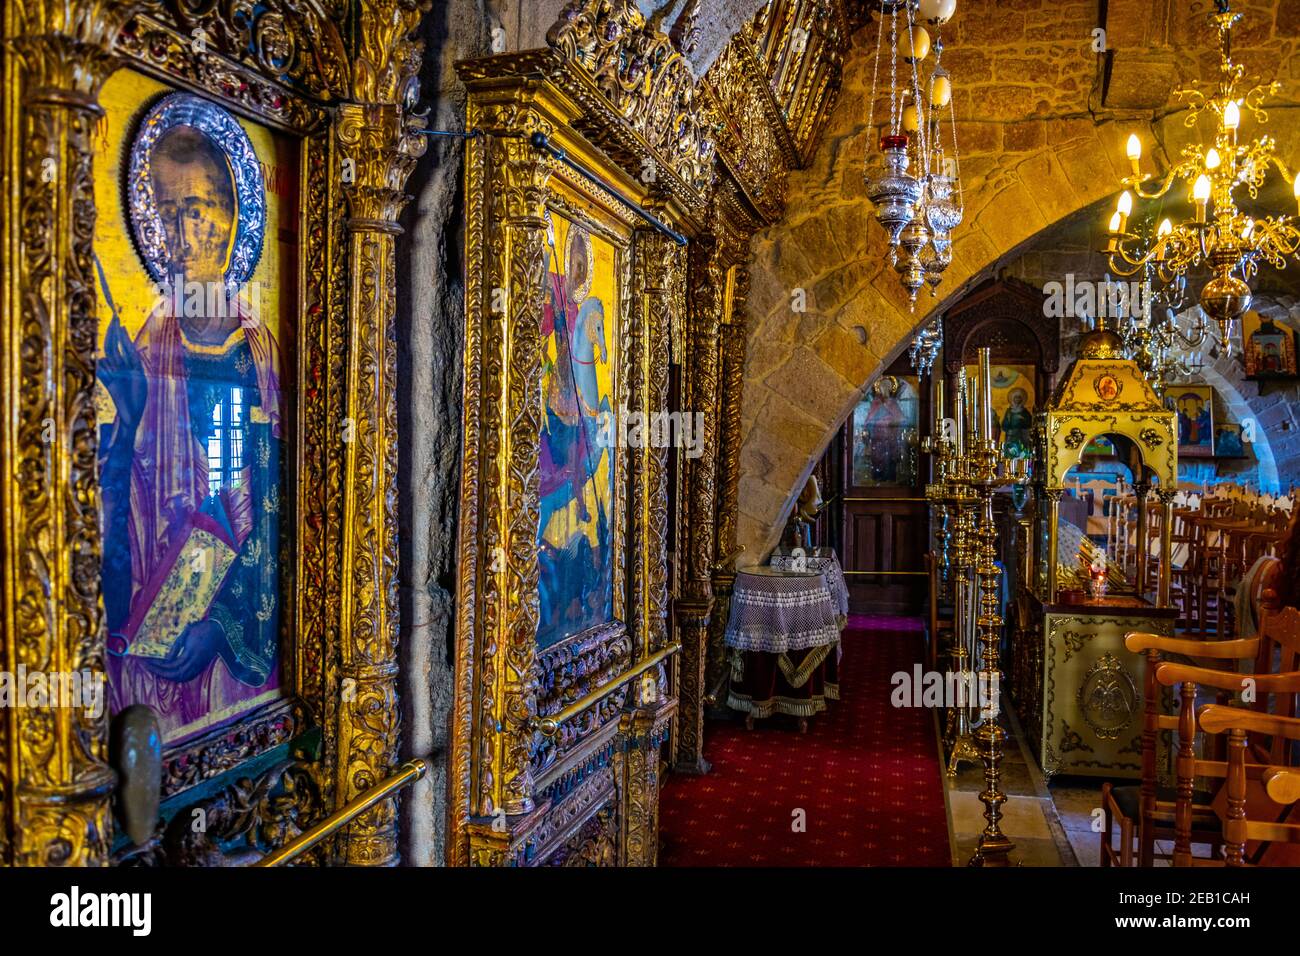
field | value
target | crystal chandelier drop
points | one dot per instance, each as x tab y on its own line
1158	334
918	212
925	347
1228	242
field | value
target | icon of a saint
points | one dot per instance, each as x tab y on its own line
190	464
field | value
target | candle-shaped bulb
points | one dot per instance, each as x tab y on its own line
1125	204
1201	192
1134	147
1250	228
1166	227
1295	187
1114	221
1231	116
1213	159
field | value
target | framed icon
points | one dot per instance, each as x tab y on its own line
1194	405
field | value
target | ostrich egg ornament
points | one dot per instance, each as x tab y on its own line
937	11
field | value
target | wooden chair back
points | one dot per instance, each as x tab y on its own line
1260	824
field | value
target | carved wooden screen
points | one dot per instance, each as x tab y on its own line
248	556
574	302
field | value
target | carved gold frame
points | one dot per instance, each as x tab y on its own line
288	67
590	792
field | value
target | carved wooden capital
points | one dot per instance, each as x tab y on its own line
379	150
66	50
387	62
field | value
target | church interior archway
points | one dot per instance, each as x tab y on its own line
494	433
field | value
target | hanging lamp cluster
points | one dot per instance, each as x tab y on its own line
1218	234
918	211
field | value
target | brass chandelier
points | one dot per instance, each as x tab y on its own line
1219	235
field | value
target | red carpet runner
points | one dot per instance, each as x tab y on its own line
866	773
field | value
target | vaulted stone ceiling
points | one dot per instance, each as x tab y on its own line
1042	122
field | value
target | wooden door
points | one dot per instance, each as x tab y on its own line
883	516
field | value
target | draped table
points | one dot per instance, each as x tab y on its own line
784	635
825	561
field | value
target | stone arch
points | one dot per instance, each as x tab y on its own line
1239	409
806	369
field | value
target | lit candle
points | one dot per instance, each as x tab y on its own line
1112	229
1162	239
1201	195
1213	159
1124	208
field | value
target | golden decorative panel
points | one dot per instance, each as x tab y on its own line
1089	714
332	143
1109	396
571	301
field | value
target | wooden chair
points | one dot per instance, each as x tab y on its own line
1273	820
1188	766
1148	809
1276	687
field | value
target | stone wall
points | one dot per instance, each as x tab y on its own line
1037	145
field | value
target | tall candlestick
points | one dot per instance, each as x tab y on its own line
972	406
938	407
986	394
959	413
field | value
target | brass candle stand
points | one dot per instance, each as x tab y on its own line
953	495
970	470
994	846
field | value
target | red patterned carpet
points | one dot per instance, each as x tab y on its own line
866	773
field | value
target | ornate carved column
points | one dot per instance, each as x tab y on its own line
1166	496
1053	496
643	731
1141	489
55	808
515	510
733	346
659	274
378	148
707	287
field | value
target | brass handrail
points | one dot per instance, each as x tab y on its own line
549	726
721	563
407	773
873	573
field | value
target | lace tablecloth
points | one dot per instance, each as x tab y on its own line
775	611
829	565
